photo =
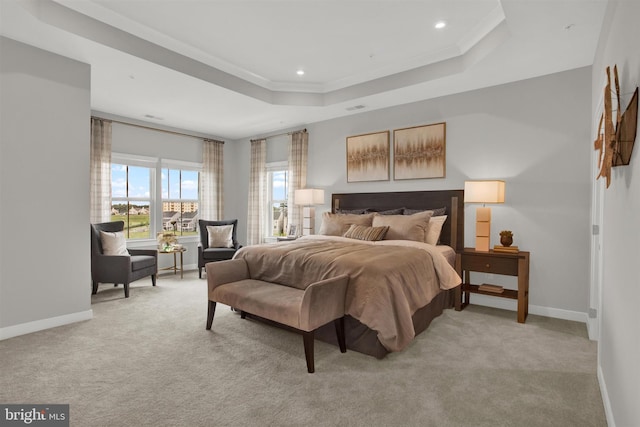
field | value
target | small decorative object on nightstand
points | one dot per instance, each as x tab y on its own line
506	238
495	262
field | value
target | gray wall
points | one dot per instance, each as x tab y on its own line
619	346
44	189
534	134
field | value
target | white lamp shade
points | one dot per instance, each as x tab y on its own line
309	196
484	192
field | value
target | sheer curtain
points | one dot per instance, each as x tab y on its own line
298	152
257	192
211	178
100	171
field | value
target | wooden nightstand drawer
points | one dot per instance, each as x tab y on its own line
491	264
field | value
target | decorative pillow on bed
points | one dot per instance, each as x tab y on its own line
113	243
338	224
404	227
434	229
220	236
436	212
361	232
397	211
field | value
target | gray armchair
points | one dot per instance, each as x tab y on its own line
119	268
207	254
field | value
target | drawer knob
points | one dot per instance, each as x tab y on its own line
487	266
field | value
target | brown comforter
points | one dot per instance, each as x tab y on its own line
389	280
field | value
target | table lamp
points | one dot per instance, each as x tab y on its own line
307	197
483	192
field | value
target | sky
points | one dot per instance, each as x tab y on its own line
140	185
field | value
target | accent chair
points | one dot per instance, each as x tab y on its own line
116	269
210	251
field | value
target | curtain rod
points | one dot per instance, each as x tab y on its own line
158	130
280	134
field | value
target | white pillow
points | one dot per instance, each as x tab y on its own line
113	243
220	236
434	229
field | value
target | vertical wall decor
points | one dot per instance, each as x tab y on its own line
626	132
419	152
615	140
368	157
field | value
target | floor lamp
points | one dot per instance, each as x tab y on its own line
483	192
307	197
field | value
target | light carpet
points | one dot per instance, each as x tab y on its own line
148	361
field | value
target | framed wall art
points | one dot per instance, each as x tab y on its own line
368	157
419	152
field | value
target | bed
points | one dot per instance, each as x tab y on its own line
397	285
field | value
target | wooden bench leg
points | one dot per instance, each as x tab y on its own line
340	333
210	312
308	338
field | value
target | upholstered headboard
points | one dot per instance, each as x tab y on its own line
453	200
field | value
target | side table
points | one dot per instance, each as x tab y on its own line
504	263
175	252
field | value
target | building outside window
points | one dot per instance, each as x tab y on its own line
180	202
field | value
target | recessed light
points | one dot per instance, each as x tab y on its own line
441	24
300	72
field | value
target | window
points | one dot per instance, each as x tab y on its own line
278	188
152	195
180	200
131	199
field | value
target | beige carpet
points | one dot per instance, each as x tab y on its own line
148	361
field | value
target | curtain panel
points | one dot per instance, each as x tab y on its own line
256	222
298	153
100	171
212	180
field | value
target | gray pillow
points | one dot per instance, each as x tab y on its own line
436	212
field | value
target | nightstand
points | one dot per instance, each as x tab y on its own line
504	263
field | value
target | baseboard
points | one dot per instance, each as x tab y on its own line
605	398
593	329
512	305
39	325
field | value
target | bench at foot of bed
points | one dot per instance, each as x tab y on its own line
304	310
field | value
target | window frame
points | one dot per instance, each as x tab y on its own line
181	166
144	162
156	165
272	167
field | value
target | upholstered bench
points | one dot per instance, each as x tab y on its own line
304	310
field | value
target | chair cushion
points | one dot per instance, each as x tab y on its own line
113	243
138	262
218	254
220	236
